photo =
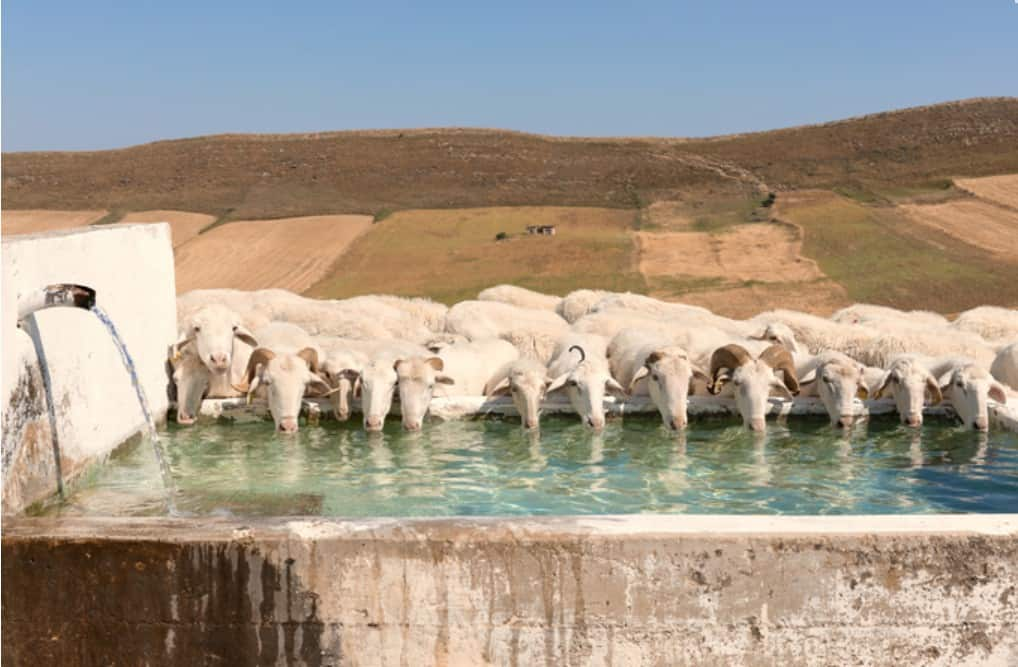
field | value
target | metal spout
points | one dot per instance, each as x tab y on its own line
54	296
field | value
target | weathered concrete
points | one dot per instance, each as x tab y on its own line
95	408
641	590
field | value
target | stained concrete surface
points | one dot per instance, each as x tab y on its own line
643	590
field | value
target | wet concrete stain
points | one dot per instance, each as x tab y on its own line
96	602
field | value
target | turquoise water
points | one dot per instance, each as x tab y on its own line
493	468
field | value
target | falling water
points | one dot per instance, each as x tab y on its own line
125	356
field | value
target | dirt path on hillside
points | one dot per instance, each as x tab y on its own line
184	225
979	223
34	221
999	189
290	253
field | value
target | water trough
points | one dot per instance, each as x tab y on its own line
644	589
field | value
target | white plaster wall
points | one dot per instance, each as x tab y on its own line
131	269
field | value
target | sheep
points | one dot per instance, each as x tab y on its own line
865	313
995	324
1005	366
911	385
651	306
341	365
647	364
578	303
967	386
838	380
877	346
426	312
283	368
520	296
378	380
416	379
209	355
366	318
533	332
816	334
734	371
526	381
580	368
478	365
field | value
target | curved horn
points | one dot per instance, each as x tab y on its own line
730	356
780	359
261	355
727	359
583	355
310	355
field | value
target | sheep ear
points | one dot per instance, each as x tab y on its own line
936	396
254	383
444	379
317	384
500	389
357	387
436	363
997	393
884	382
808	378
244	335
640	374
557	383
861	392
611	384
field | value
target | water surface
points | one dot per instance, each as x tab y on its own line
494	468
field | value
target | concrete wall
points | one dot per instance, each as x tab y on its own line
640	590
131	269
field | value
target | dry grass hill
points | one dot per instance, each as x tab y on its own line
912	208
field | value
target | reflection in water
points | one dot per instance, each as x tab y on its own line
493	467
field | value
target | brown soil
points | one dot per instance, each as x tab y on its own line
979	223
183	225
1002	190
42	220
291	253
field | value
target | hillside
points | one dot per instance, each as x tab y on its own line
913	208
274	176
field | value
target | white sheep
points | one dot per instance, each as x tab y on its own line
527	382
837	380
911	384
210	354
968	386
736	372
580	368
282	369
1005	366
378	380
520	296
477	366
995	324
533	332
578	303
866	313
646	364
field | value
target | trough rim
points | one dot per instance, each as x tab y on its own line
484	529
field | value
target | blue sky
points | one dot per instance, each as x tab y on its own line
88	75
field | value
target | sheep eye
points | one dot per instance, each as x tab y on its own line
571	383
657	378
235	327
197	328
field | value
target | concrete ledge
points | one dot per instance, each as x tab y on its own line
461	407
930	590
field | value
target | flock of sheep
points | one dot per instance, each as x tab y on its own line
371	350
